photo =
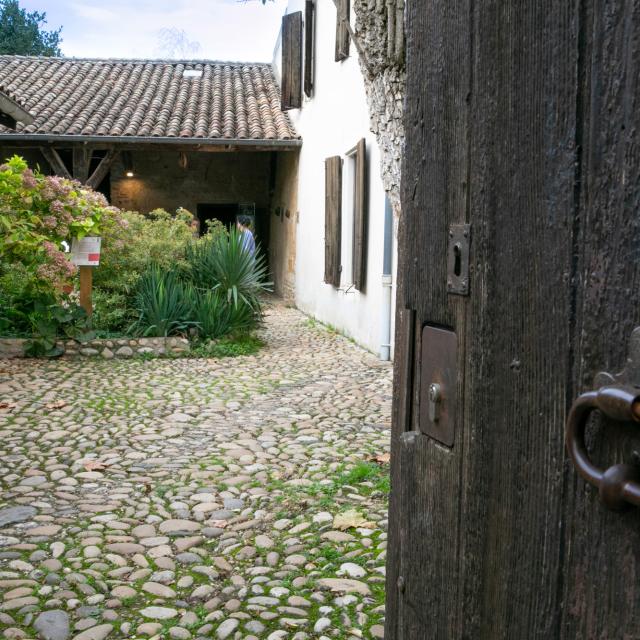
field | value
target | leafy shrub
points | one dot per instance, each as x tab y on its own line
164	304
112	312
158	239
51	321
36	214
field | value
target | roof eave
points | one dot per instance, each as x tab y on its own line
46	138
14	110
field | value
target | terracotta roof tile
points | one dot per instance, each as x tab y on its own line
148	98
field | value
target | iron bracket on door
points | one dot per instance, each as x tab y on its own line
617	397
458	259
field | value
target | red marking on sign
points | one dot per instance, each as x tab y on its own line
93	257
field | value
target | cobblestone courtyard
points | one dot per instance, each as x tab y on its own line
236	498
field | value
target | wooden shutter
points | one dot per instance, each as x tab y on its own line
342	33
360	218
332	220
292	61
309	46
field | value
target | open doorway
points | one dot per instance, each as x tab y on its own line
225	213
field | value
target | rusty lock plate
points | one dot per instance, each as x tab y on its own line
438	384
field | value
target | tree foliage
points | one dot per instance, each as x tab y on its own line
21	32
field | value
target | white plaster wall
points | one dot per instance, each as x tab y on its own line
331	123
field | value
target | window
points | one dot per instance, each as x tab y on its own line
342	32
292	61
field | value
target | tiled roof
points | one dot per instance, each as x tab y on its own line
147	98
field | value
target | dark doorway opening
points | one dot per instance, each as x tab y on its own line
226	213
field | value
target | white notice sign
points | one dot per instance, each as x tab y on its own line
86	252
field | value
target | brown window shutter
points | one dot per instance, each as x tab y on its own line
342	33
292	61
332	220
309	46
360	218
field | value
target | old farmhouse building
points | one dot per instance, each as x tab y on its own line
219	138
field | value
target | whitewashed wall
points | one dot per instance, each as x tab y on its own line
331	123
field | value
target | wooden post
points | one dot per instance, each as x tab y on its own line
86	283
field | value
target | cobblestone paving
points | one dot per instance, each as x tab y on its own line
188	498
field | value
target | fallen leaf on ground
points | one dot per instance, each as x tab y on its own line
382	458
351	519
7	405
93	465
58	404
219	524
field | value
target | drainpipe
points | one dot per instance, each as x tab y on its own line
387	283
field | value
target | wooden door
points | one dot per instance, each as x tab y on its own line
522	119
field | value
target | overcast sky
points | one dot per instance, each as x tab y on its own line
224	29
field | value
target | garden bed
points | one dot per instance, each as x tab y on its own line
107	348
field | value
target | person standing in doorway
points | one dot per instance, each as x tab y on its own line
248	241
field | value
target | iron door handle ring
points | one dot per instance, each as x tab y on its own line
618	485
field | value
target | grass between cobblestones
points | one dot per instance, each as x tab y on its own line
200	490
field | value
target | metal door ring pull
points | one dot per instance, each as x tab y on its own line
618	485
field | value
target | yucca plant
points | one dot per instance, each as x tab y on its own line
163	303
211	313
225	265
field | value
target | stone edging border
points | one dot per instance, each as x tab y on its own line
107	348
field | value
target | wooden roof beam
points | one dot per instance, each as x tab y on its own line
55	162
12	111
102	169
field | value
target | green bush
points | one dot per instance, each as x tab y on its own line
112	312
158	239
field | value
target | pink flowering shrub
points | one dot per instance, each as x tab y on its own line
37	213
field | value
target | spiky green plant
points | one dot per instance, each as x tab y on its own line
164	304
225	265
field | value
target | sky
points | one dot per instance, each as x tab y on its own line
230	30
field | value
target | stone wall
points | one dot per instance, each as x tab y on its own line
284	222
105	348
208	178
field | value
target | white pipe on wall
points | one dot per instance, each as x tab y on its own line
385	321
387	285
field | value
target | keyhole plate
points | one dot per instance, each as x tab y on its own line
438	371
458	259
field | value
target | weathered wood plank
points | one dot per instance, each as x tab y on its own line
309	46
81	161
291	89
55	162
361	217
434	196
333	220
343	40
522	178
600	588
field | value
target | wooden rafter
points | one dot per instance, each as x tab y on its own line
55	162
102	169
